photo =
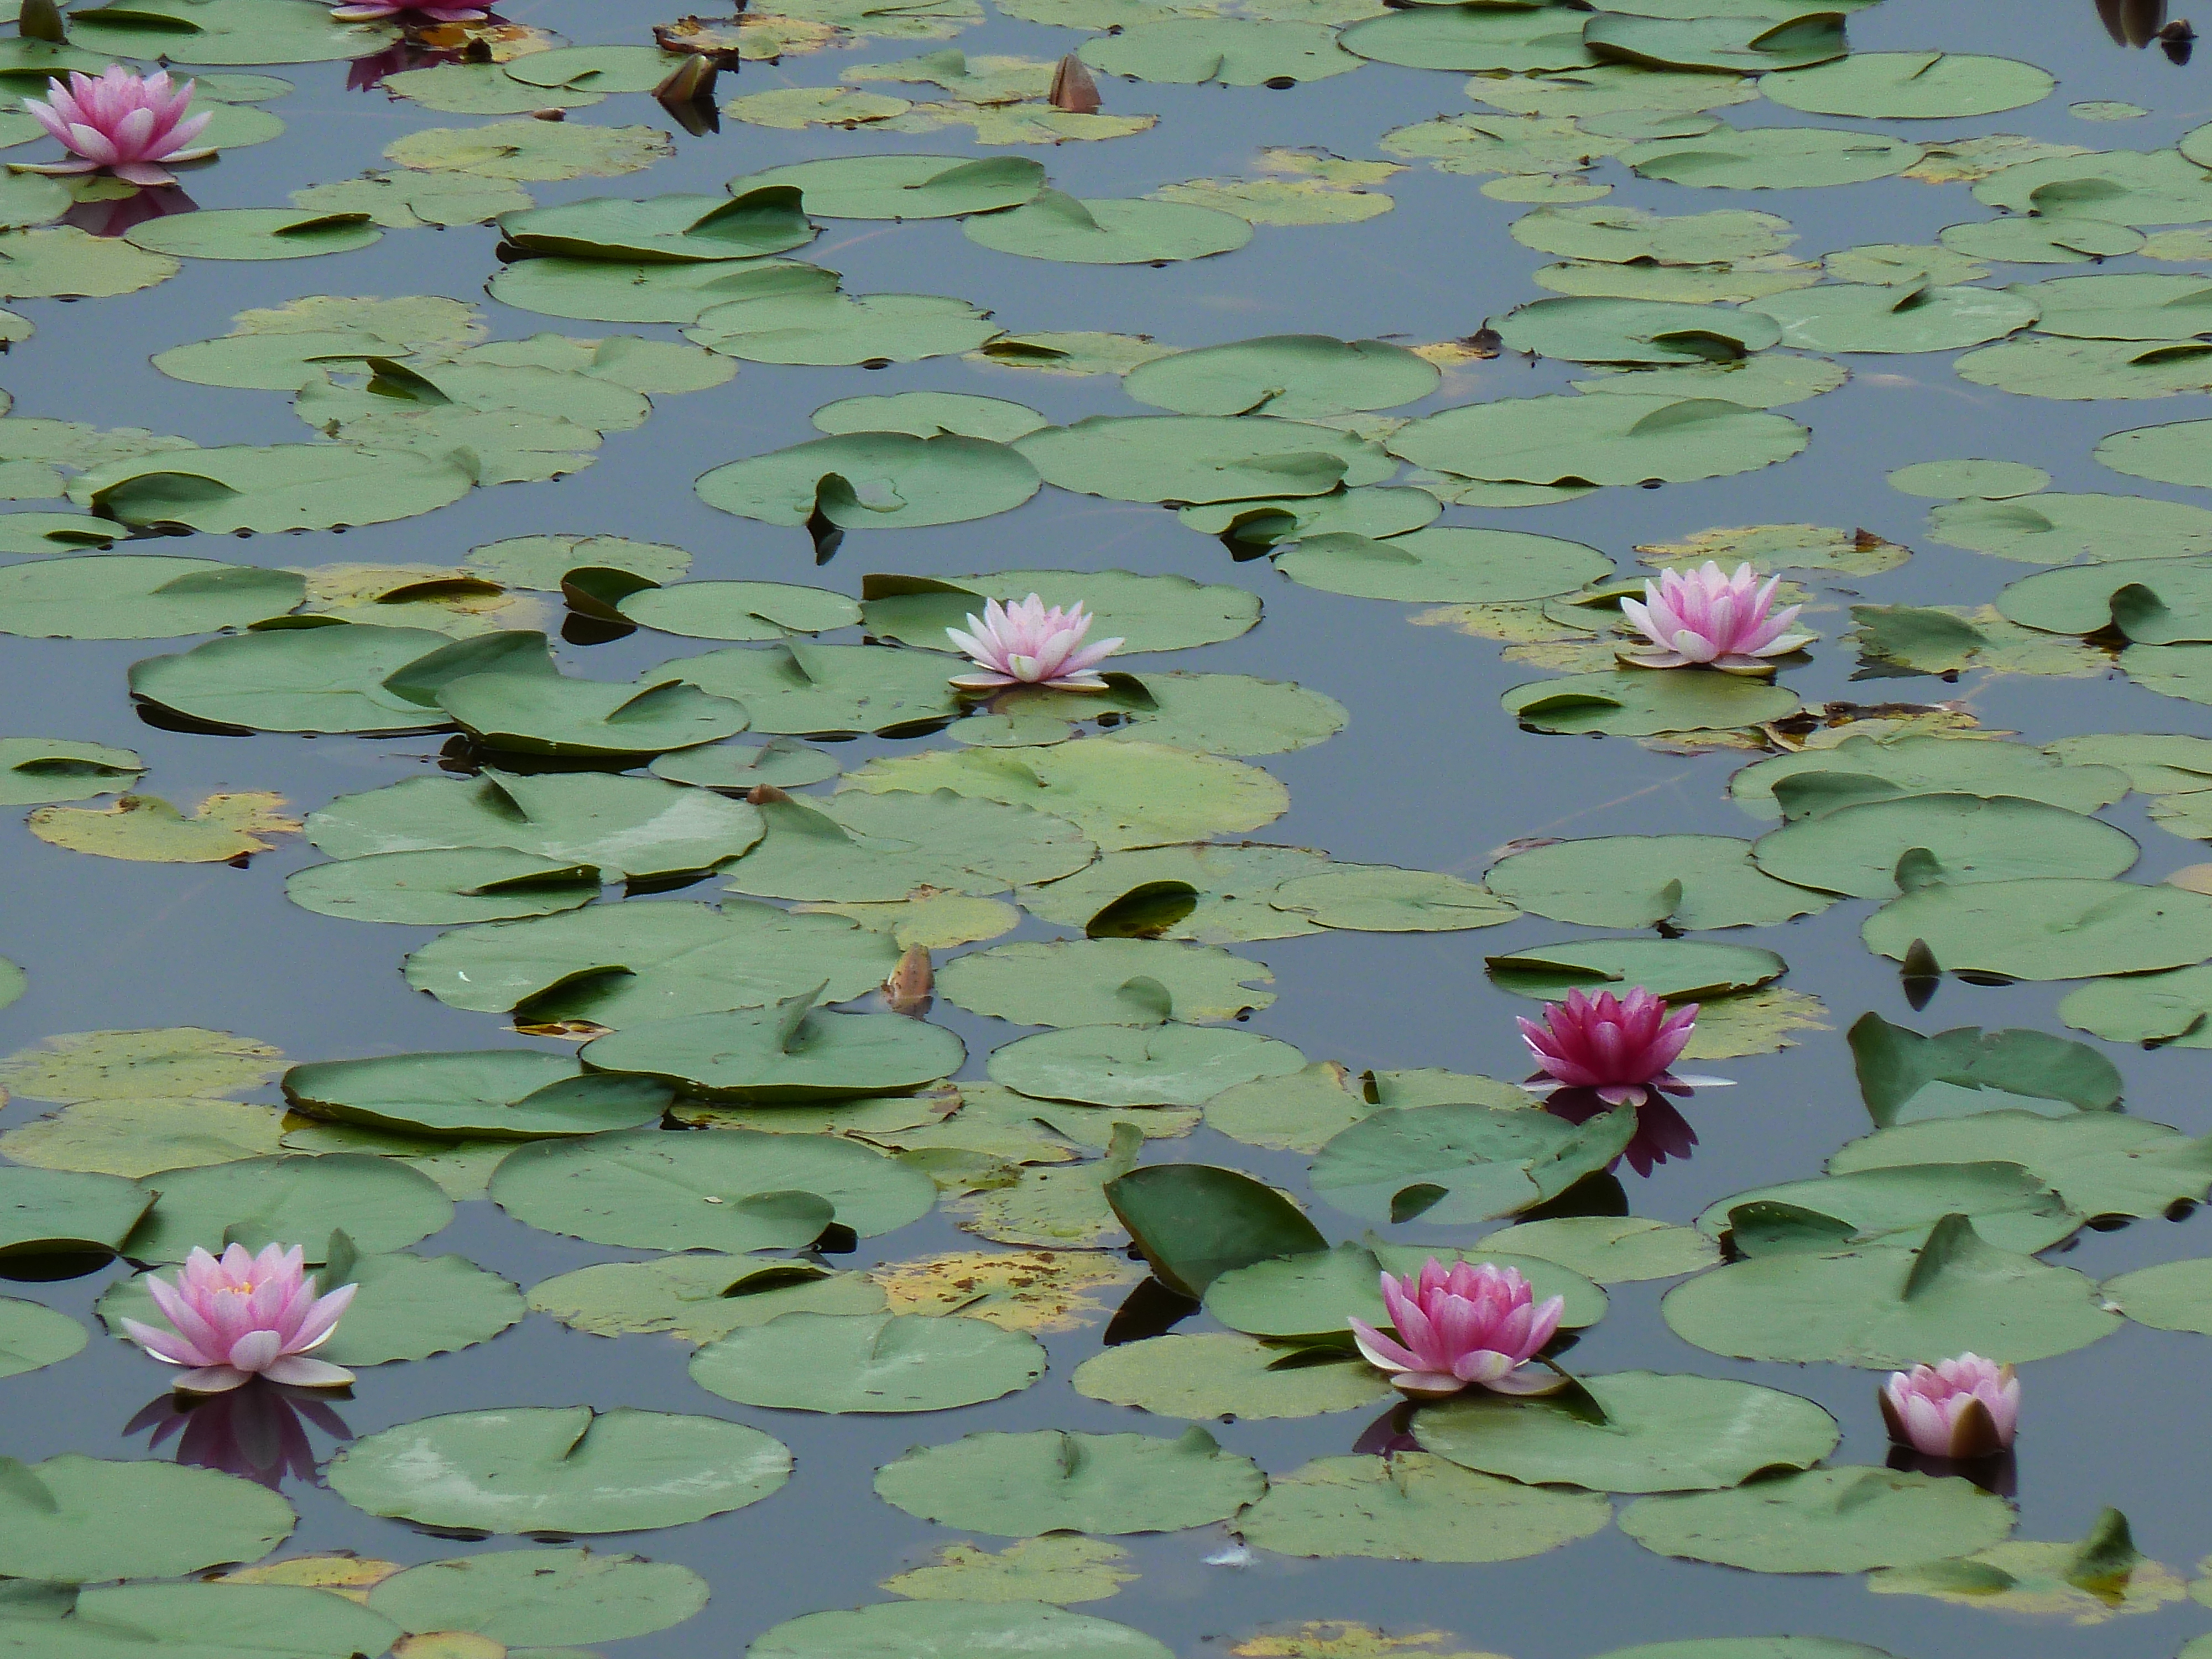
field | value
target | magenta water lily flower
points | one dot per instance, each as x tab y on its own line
1704	617
127	124
244	1315
1620	1046
1468	1325
375	11
1964	1407
1026	644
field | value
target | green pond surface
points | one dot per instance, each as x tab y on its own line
429	527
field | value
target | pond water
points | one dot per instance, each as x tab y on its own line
1397	753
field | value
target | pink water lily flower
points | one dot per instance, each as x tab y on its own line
1620	1047
122	122
1703	617
375	11
242	1316
1964	1407
1025	644
1470	1324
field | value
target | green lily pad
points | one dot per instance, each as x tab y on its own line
679	228
624	291
2052	928
503	1093
860	848
2058	529
1859	768
2122	187
1415	1506
697	1297
1104	981
1149	613
624	964
733	1190
1680	969
2082	370
31	1336
1912	317
2034	241
1201	459
1890	86
66	262
844	1363
738	610
1616	235
440	889
536	1596
639	827
800	687
739	768
1457	1164
1234	51
930	415
1172	1064
943	1629
224	32
1611	1249
128	596
905	186
1227	891
1772	158
1567	440
597	69
381	1204
1840	1520
1744	45
265	1620
1905	1076
77	1520
2100	1163
1121	794
1444	565
1658	1434
1380	898
282	487
1475	39
255	233
1295	376
2010	1208
1219	1374
874	480
537	713
530	151
34	771
1857	849
1591	330
788	1052
1644	702
1891	1301
1097	231
566	1469
1637	881
1022	1484
812	327
2173	1296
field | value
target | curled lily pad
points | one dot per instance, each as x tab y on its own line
516	1093
565	1469
904	186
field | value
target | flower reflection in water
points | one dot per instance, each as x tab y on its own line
259	1431
1661	1132
1998	1474
119	215
366	73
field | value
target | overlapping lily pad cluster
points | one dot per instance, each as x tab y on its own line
740	1103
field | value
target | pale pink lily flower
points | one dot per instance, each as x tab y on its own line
244	1315
1964	1407
1470	1324
375	11
122	122
1702	617
1621	1046
1026	644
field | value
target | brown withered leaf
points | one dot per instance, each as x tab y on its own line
1072	88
